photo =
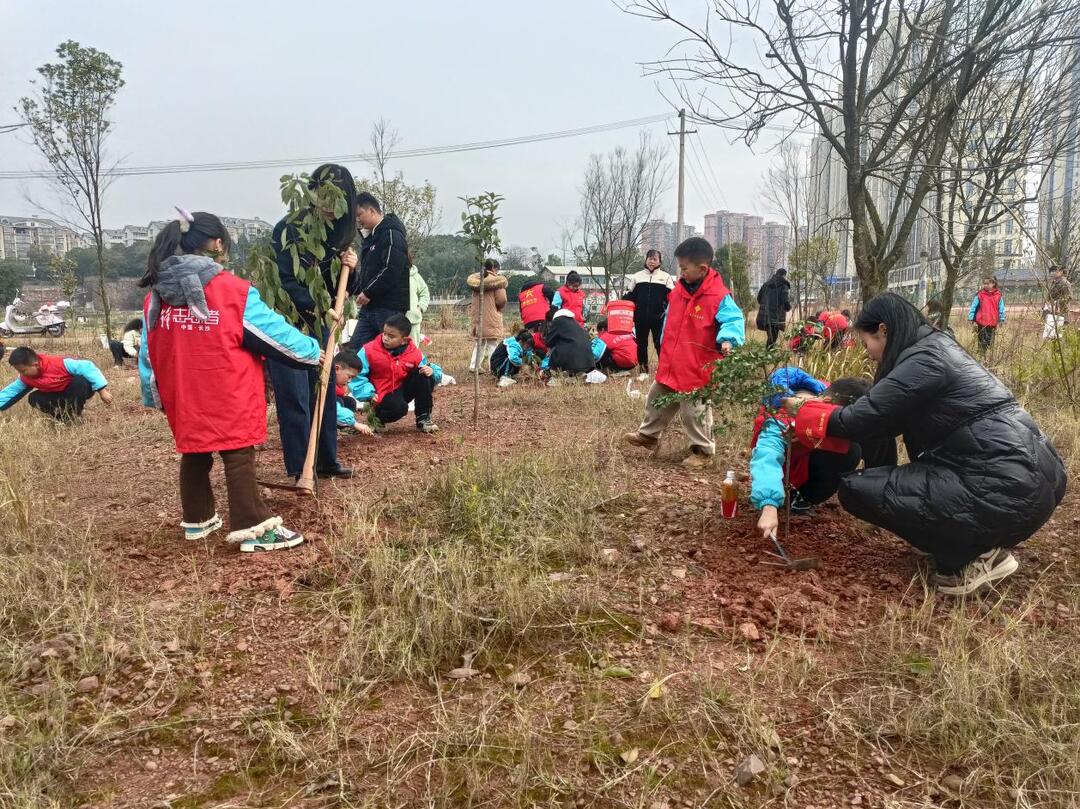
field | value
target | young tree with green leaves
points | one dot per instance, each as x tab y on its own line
67	116
479	226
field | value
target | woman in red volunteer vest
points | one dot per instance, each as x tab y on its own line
987	312
569	296
703	323
201	361
58	386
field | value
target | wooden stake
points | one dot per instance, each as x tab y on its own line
306	483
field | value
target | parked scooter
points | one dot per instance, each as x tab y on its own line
47	320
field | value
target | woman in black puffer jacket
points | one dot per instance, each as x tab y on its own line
982	476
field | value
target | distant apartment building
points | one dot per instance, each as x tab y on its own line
250	229
663	236
1059	218
829	215
20	234
767	243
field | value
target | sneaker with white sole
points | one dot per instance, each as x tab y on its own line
201	530
990	567
278	539
506	381
426	425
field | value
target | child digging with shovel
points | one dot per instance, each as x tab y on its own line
815	470
201	361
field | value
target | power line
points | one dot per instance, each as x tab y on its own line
193	168
709	198
712	173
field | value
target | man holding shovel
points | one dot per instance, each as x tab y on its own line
295	391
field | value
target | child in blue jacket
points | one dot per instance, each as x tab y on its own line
510	355
393	374
815	471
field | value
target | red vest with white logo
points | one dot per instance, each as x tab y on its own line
574	301
212	389
534	306
988	313
801	446
387	371
623	348
52	378
689	346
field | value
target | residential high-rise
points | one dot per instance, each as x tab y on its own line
660	235
19	234
1059	217
767	243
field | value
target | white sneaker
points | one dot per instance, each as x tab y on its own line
642	377
983	570
506	381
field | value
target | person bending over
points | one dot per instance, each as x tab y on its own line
59	387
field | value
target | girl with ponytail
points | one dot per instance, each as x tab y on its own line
205	334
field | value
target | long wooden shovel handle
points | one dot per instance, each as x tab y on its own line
306	483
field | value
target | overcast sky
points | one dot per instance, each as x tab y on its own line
213	81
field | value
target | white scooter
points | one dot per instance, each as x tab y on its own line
47	320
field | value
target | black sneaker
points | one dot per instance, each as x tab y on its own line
801	506
336	472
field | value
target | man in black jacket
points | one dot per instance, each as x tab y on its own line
384	269
773	305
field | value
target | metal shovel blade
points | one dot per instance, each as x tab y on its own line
808	563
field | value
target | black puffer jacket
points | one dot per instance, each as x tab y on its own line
569	346
982	475
773	302
384	266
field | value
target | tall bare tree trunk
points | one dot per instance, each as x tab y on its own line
479	344
99	243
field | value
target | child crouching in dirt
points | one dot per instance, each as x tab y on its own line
346	367
58	386
703	324
201	361
394	373
614	353
510	356
816	469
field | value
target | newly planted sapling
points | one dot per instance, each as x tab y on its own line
478	225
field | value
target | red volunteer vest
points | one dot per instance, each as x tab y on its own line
689	347
833	324
987	313
623	348
575	302
53	378
539	346
212	389
534	306
387	371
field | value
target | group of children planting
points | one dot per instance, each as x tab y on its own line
206	332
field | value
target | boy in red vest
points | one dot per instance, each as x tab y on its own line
816	468
987	312
614	353
58	386
393	374
703	324
569	296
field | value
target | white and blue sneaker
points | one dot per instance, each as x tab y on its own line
278	539
200	530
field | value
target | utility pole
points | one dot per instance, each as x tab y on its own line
682	133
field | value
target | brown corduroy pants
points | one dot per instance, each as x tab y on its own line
246	506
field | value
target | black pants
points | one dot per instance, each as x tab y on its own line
643	329
416	388
294	399
607	363
66	404
826	471
772	333
986	337
369	325
500	362
118	353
